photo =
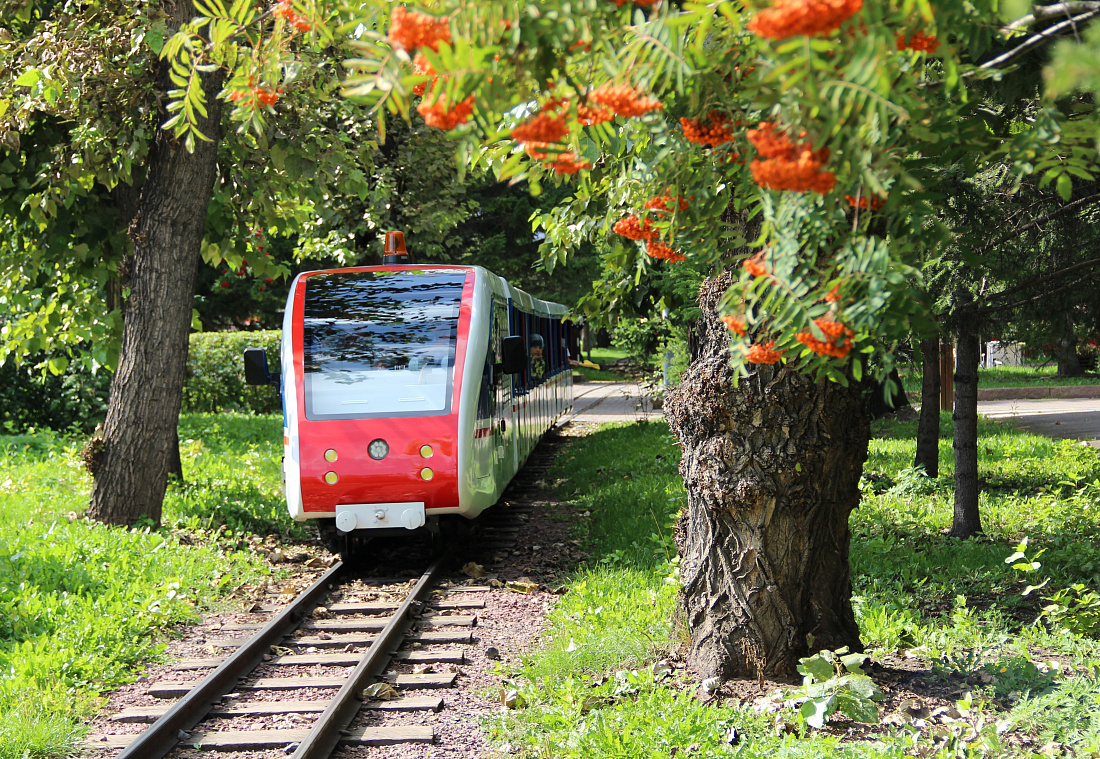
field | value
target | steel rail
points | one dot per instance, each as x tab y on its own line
327	730
163	735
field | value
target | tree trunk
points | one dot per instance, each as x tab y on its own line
966	521
928	428
772	468
131	462
1069	363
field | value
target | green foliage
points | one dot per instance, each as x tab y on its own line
641	337
1075	608
215	373
599	685
84	606
32	396
832	681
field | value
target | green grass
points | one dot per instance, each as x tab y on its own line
1032	375
83	606
956	606
603	357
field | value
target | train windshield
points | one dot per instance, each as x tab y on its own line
380	343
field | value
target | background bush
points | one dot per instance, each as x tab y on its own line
31	398
215	373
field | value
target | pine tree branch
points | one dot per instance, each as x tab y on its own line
1036	222
985	311
975	308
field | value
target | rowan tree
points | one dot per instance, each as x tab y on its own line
797	139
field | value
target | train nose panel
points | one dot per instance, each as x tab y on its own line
366	516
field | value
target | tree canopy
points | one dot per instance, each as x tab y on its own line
808	130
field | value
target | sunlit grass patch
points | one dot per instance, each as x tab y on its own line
953	606
84	606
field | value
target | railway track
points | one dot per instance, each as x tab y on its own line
329	672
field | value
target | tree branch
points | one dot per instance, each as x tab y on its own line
1035	40
974	307
1036	222
1043	12
985	311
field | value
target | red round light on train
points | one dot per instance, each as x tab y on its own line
378	449
332	478
426	473
426	451
330	455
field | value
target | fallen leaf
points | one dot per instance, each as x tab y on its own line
473	569
380	692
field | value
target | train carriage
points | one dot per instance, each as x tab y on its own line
412	392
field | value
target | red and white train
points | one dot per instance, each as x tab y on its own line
412	392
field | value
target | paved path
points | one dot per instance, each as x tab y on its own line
598	402
1062	418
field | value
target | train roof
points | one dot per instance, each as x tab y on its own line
500	285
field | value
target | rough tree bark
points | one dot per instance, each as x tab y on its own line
1069	363
130	459
928	427
772	470
966	520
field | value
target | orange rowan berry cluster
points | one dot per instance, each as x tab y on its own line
284	11
567	163
714	131
735	325
865	203
632	229
838	340
437	114
755	265
788	165
421	65
589	115
660	203
541	130
762	353
658	249
255	95
623	100
833	296
921	42
790	18
413	29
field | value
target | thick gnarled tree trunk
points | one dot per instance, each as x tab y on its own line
772	469
928	427
130	461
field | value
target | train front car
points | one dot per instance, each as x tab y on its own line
372	401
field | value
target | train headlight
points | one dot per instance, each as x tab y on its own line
332	478
426	473
330	455
426	451
378	449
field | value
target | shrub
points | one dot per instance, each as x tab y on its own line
215	373
30	397
641	338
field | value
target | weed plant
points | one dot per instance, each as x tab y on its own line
599	685
84	606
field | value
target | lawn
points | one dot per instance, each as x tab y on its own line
1031	375
598	687
83	606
